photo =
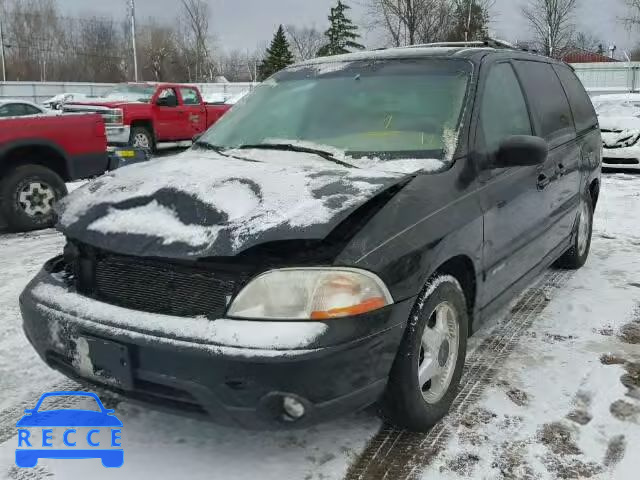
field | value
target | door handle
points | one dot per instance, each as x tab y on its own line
543	181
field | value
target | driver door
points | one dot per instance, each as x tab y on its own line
169	119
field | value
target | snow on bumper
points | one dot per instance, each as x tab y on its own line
627	157
185	367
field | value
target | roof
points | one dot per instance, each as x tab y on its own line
580	55
4	101
464	52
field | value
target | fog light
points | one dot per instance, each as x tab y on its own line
293	408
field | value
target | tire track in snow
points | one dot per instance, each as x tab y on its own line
397	454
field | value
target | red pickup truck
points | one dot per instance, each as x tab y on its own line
152	115
37	156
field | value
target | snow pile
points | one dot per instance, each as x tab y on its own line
322	68
204	199
223	332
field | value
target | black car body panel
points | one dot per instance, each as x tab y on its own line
493	228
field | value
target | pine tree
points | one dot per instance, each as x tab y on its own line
342	33
278	55
471	22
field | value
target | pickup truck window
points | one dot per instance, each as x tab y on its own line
189	96
130	93
391	109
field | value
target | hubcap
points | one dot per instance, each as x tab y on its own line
36	199
583	229
438	352
140	140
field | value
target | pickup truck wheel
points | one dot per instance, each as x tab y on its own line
577	255
28	195
141	138
426	373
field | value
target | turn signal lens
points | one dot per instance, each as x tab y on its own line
364	307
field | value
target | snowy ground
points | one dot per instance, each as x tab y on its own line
552	390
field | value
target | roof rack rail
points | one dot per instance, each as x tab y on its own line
486	43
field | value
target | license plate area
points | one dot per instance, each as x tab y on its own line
111	361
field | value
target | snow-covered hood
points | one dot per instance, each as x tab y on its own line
620	131
202	204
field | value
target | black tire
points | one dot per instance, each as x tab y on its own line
142	132
576	257
16	211
404	404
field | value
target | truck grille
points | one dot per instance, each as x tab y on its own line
157	286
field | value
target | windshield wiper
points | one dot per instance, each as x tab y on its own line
219	150
290	147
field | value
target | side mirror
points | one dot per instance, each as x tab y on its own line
521	151
167	102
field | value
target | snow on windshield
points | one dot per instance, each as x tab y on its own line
238	199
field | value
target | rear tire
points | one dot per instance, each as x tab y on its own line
29	193
577	255
428	367
141	138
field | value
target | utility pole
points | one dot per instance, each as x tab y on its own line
466	32
133	38
4	66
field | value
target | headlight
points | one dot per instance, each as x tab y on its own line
115	116
310	294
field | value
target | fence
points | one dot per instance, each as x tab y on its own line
598	78
40	91
604	78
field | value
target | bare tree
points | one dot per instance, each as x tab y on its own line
196	38
305	41
158	45
632	18
408	22
551	22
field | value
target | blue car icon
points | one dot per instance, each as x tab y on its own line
70	418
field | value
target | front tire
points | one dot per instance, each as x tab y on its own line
141	138
29	193
427	370
577	255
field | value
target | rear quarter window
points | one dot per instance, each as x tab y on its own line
554	119
584	115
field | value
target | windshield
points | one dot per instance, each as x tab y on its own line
132	93
392	109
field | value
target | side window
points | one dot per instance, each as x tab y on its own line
170	95
12	110
30	110
584	114
504	111
548	102
190	96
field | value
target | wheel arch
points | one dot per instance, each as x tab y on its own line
462	268
35	152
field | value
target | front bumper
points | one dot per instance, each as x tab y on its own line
119	135
342	371
624	158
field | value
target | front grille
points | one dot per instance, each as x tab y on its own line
157	286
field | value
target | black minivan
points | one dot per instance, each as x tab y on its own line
331	243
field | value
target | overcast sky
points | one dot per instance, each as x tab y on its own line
244	24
